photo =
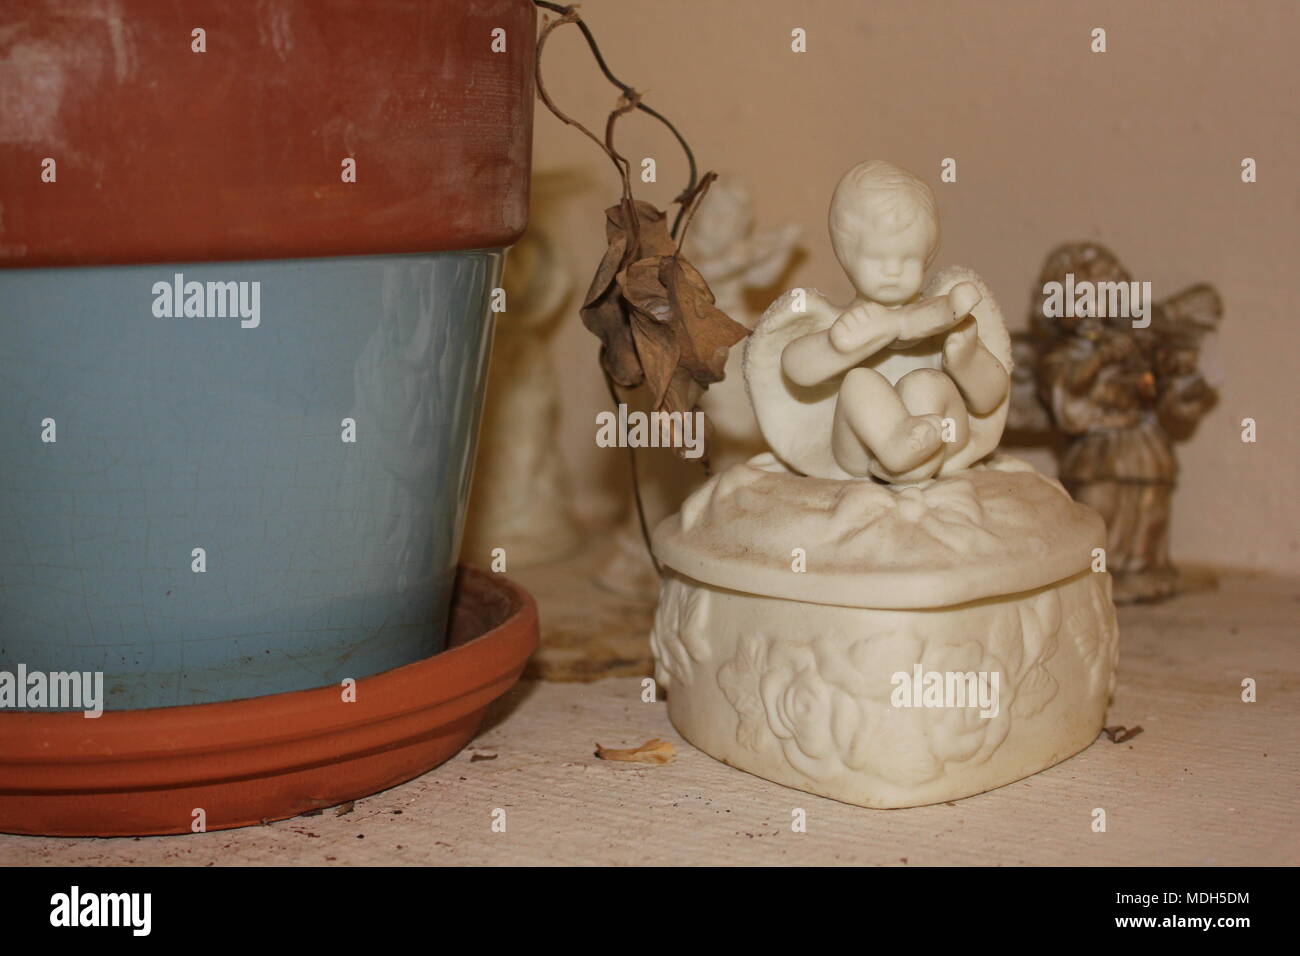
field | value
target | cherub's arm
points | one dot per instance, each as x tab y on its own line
814	358
767	255
868	327
1072	408
1079	375
982	380
1187	399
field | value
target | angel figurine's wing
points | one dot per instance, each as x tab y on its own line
795	420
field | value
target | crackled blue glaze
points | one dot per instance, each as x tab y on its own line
324	559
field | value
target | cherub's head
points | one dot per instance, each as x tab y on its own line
885	230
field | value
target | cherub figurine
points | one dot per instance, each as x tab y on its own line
521	500
736	258
914	382
1121	394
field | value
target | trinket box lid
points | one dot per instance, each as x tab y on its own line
996	529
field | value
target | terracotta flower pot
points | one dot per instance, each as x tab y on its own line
247	255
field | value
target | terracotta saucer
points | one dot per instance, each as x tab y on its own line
139	772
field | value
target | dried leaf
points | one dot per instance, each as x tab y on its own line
706	332
654	313
633	231
657	347
675	325
653	751
683	392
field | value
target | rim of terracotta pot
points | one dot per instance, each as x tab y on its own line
138	772
166	154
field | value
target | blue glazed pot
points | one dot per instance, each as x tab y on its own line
205	499
213	508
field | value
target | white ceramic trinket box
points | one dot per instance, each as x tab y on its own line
883	610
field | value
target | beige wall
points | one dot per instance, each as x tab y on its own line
1138	147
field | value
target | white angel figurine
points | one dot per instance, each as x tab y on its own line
735	258
906	383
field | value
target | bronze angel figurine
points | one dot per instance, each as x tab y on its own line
1120	393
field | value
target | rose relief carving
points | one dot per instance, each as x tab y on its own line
827	700
679	636
739	681
1095	631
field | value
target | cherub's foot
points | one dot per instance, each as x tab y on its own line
914	439
959	344
963	297
924	320
856	326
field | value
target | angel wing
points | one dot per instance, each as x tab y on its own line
796	420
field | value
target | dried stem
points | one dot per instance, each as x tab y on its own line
569	14
636	485
692	202
687	200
